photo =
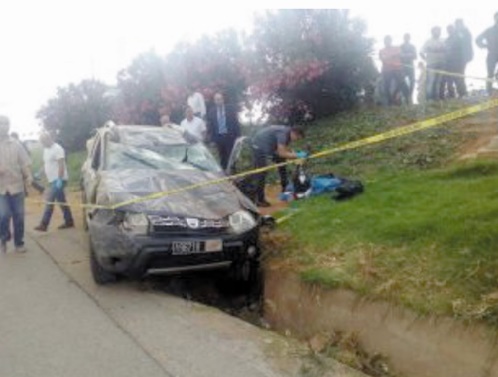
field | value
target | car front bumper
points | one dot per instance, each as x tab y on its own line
138	255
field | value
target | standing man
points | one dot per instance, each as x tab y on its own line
408	56
272	144
15	175
196	101
465	38
54	160
489	40
392	71
193	126
224	127
434	53
15	136
453	63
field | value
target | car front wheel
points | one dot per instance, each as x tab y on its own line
245	271
100	275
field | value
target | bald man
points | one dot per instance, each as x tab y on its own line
15	176
54	161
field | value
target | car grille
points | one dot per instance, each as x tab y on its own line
182	225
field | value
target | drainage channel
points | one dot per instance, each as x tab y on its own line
246	301
215	289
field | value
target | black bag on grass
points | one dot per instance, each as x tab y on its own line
348	189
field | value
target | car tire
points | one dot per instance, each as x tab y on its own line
83	212
245	271
99	274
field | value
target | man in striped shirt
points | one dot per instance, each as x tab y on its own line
15	175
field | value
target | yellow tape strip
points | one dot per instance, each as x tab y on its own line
401	131
446	73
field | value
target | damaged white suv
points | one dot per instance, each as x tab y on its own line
208	227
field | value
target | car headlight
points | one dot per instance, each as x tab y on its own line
242	221
136	223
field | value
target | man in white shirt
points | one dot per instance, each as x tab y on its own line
194	126
54	160
196	101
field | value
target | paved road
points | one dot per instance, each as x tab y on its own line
54	321
49	327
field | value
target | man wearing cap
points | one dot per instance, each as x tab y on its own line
15	176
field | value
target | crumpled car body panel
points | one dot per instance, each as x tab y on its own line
213	201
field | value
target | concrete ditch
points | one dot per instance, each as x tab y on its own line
415	346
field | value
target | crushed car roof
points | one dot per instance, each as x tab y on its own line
146	135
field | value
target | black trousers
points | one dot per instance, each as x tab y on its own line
460	81
261	160
491	62
409	73
397	78
224	144
452	85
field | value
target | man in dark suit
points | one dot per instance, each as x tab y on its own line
223	127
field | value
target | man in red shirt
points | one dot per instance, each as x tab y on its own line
392	72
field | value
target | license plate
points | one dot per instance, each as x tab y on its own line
212	246
187	248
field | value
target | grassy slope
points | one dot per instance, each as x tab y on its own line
422	237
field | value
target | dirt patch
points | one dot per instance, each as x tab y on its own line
480	128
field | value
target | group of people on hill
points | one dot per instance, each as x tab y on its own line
218	124
443	74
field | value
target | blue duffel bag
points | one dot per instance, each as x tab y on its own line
321	184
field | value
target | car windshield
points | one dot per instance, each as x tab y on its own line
160	157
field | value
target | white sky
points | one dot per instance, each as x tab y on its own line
50	43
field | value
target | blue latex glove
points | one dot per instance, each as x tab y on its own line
302	154
58	184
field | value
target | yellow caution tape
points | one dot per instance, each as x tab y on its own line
397	132
447	73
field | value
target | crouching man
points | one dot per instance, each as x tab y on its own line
54	160
15	176
271	144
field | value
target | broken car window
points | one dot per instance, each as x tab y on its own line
160	157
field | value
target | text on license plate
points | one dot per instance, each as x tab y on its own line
193	247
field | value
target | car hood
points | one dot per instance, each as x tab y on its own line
213	201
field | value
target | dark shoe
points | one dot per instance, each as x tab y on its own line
21	249
66	226
41	228
263	204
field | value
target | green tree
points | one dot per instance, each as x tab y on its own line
153	84
315	61
75	112
139	89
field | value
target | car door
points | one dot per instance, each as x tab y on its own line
91	168
241	161
241	156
